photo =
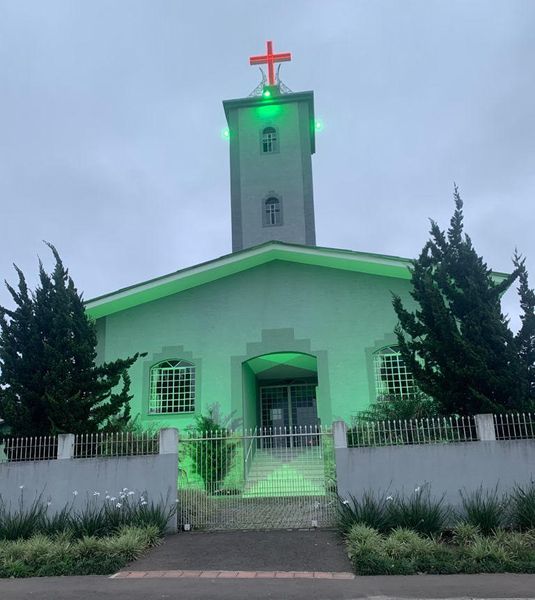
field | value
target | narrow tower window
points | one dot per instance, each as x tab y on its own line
269	140
272	212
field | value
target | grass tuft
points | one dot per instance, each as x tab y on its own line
484	509
370	510
523	507
419	511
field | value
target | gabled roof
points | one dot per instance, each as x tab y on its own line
230	264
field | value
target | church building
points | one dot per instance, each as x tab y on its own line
281	332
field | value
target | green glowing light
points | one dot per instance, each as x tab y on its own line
318	125
266	93
225	133
269	111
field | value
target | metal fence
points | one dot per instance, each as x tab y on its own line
514	426
434	430
98	445
15	449
91	445
259	478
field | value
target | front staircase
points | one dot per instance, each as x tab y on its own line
286	472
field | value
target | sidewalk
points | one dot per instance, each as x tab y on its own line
371	588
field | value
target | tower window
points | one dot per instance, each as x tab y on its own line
272	212
270	143
392	378
172	387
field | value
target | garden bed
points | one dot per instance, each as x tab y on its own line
406	535
406	552
99	538
62	554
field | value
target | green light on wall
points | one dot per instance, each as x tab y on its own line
268	111
266	93
225	133
318	125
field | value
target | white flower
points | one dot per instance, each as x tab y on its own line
96	493
48	503
75	493
113	498
389	498
346	502
131	493
107	496
122	496
118	505
144	503
141	499
125	489
21	487
417	489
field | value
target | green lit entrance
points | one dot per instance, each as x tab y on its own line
280	391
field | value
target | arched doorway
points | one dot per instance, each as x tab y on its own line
280	391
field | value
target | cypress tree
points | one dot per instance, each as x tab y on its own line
457	342
49	381
525	338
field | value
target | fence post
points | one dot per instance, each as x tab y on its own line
65	446
340	434
169	441
485	428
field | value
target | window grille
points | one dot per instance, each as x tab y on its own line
172	387
272	212
392	378
269	140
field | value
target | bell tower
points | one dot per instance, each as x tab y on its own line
271	137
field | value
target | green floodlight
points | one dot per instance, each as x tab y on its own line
225	133
318	125
266	93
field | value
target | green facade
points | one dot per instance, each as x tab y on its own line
314	315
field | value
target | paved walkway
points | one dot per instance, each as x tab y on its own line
178	574
311	551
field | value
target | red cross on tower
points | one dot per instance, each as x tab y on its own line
270	59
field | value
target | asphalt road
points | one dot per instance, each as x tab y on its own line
418	586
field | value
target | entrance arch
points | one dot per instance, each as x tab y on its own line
280	391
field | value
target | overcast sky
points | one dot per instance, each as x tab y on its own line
110	122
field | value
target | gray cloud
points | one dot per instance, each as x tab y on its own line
110	119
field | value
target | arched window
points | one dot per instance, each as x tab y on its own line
392	378
270	143
272	211
172	387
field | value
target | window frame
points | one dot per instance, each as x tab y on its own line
270	145
400	380
177	394
267	215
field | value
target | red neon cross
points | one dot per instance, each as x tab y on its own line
270	59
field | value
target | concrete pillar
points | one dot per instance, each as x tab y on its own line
169	441
340	434
65	446
485	428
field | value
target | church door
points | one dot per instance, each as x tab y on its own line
291	408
